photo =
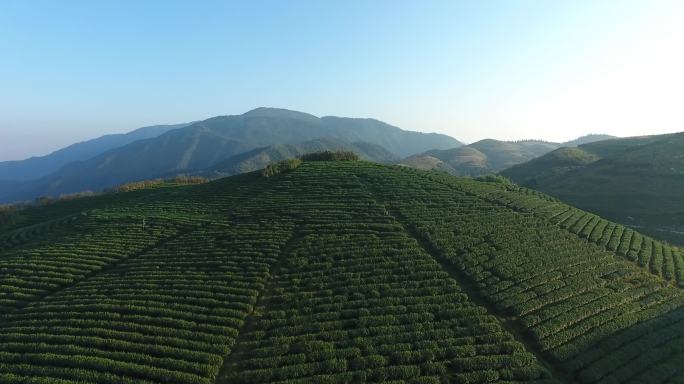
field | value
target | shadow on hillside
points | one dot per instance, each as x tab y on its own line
650	351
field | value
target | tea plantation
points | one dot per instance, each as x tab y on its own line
335	272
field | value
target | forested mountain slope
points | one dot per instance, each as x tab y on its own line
636	181
39	166
203	144
334	272
259	158
586	139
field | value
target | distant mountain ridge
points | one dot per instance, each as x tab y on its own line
225	145
636	181
267	126
39	166
260	157
590	138
202	144
488	155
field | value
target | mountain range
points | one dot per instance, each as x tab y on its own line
39	166
190	148
637	181
260	157
227	145
489	156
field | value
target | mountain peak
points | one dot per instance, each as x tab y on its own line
278	112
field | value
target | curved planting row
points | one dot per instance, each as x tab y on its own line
169	315
42	232
142	290
358	300
214	201
311	276
573	297
90	245
659	258
179	203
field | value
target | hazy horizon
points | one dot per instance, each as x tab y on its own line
362	117
553	71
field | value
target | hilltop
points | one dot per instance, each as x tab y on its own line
334	272
636	181
260	157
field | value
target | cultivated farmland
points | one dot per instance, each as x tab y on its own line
334	272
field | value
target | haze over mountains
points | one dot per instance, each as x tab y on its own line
39	166
167	150
260	157
489	156
227	145
563	268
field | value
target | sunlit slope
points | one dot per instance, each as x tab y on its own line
356	298
480	158
586	308
491	156
335	272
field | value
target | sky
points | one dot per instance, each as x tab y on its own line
511	69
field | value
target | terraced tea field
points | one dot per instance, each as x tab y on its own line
335	272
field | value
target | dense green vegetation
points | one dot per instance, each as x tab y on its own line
572	297
280	167
261	157
330	156
635	181
334	272
356	299
551	166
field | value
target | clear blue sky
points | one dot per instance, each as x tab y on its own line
73	70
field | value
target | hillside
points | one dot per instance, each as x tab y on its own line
334	272
203	144
482	157
550	167
635	181
40	166
591	138
261	157
489	156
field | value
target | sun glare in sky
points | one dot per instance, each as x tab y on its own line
76	70
631	84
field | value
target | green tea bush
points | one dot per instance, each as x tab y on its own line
280	167
330	156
